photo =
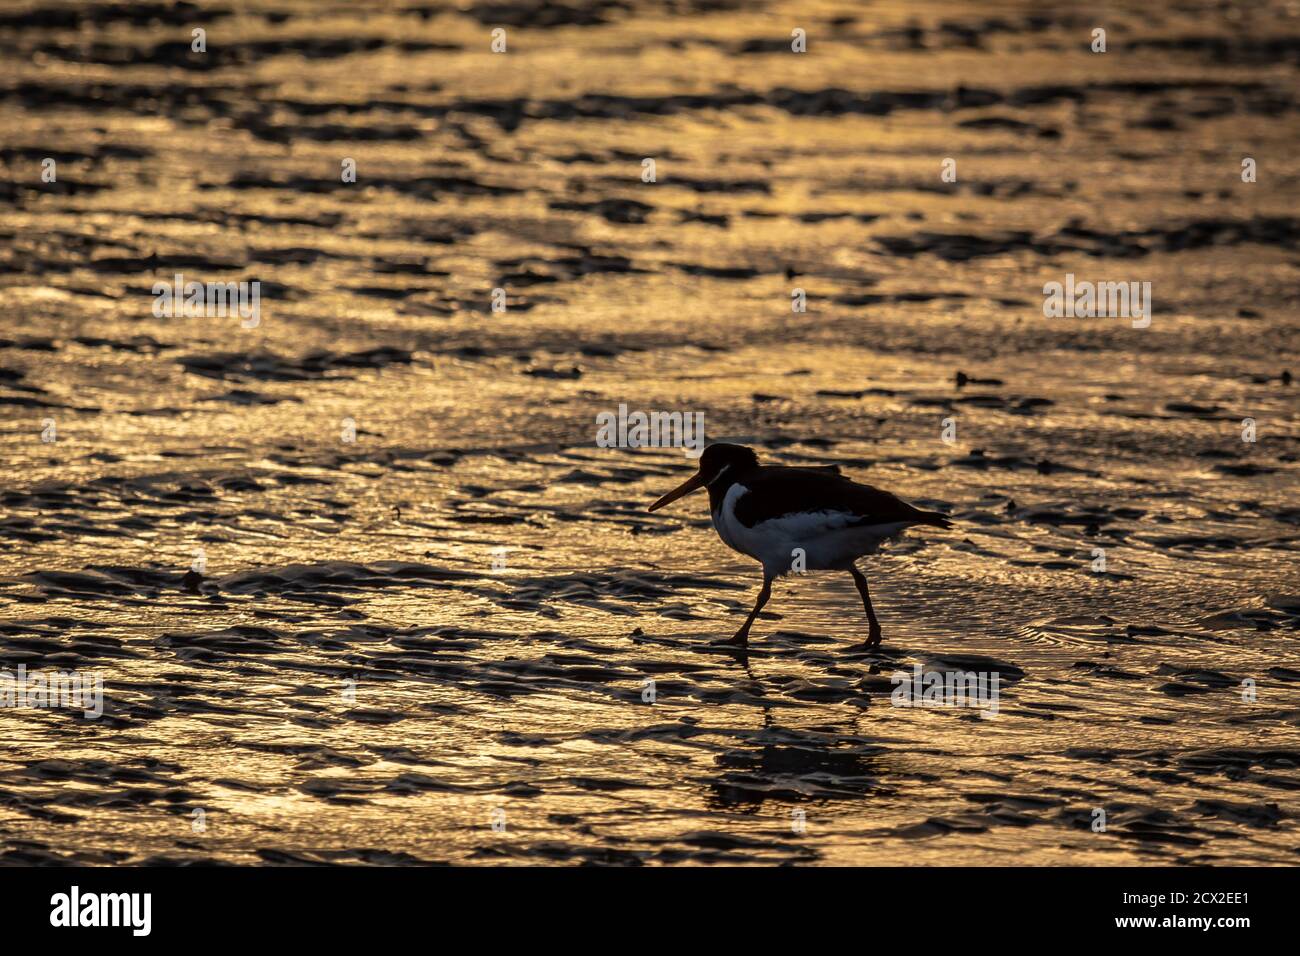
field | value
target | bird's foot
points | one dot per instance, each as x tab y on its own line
739	639
870	644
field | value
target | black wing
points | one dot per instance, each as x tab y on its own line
776	491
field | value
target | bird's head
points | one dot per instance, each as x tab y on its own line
719	459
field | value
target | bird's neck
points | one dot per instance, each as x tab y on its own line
722	484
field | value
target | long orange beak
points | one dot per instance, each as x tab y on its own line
693	483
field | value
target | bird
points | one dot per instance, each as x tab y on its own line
797	518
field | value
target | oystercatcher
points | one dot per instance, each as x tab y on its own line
796	519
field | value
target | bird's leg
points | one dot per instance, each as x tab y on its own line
861	582
741	637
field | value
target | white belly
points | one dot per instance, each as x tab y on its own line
821	540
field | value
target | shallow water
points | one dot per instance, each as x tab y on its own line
354	681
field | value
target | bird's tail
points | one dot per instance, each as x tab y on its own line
935	518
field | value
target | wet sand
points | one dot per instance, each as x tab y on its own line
351	680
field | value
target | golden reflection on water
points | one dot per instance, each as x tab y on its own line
354	681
